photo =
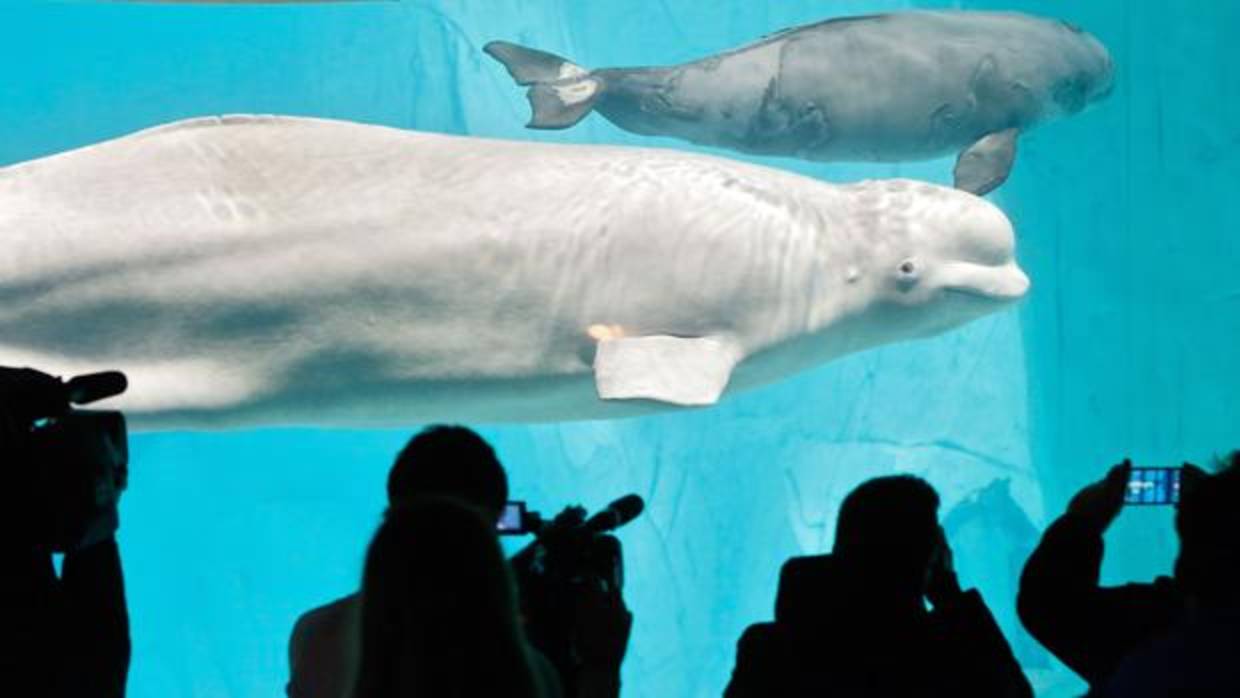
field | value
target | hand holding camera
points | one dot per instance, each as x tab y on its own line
72	464
602	628
571	579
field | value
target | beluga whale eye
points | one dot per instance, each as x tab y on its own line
907	273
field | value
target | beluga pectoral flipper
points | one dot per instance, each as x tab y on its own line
987	163
886	88
683	371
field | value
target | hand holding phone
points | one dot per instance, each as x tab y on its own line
1099	503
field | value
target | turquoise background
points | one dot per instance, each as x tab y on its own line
1126	220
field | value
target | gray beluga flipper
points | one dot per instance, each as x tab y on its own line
986	164
676	370
561	92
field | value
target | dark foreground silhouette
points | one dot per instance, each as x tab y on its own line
455	462
1175	636
324	649
439	611
63	635
854	623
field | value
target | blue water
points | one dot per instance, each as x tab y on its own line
1127	224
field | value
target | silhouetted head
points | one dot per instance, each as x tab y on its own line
1208	523
452	461
927	258
439	608
890	527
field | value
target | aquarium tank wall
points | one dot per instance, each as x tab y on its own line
1124	346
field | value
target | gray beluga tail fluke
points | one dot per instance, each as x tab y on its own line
561	92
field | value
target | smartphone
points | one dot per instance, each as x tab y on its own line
1153	486
512	520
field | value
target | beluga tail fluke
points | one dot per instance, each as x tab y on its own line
561	93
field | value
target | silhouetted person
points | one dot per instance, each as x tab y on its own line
439	611
854	623
68	635
456	462
1175	636
450	461
65	635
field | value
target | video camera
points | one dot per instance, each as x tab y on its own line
571	557
71	465
570	547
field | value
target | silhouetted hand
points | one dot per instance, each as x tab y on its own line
21	390
942	585
1190	477
10	429
603	627
1102	501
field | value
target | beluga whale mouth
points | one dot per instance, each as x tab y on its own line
978	255
1004	284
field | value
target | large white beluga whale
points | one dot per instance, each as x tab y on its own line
893	87
267	270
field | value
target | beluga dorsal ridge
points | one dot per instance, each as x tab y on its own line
251	270
894	87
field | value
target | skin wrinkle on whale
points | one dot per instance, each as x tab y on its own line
904	86
275	270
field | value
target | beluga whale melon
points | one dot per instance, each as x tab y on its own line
267	270
903	86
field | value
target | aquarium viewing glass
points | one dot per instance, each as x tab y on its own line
1124	345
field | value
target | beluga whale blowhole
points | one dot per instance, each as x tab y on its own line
894	87
269	270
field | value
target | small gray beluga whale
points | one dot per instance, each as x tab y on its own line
266	270
894	87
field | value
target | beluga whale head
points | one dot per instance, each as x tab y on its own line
926	259
1085	68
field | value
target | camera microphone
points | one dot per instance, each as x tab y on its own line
616	514
95	386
